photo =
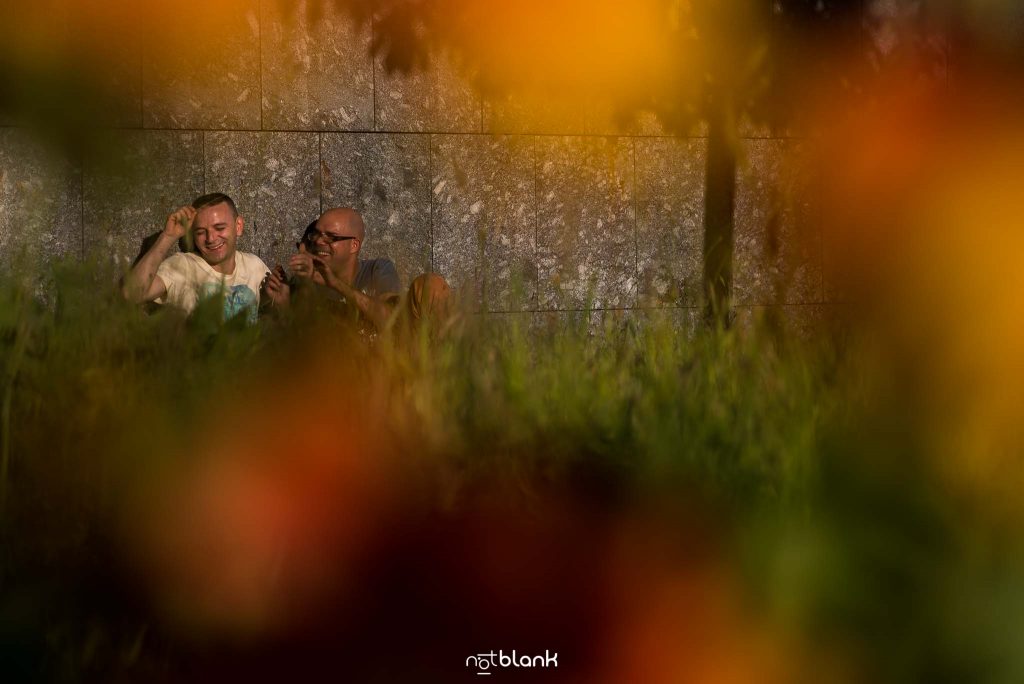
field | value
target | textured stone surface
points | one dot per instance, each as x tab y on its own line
385	176
801	322
604	118
485	219
274	179
836	271
565	215
686	321
106	58
40	203
439	99
120	104
898	29
317	69
777	254
128	196
116	66
586	238
595	323
71	62
670	220
748	127
202	79
507	326
534	113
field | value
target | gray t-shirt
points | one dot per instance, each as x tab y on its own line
374	278
377	277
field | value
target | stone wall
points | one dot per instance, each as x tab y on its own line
529	205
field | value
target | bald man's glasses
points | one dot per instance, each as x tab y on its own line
312	236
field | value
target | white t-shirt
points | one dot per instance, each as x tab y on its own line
189	280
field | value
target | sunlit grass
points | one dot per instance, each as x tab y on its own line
184	460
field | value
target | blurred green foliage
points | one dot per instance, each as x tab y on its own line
826	507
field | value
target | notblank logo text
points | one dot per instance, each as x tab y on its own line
484	663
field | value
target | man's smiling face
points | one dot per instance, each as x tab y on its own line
216	230
337	238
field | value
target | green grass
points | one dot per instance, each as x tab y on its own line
766	436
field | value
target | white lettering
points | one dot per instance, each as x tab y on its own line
485	661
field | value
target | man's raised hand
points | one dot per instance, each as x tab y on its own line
323	269
180	222
275	287
301	264
142	283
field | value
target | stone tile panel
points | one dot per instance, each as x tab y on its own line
586	237
533	112
777	255
438	99
670	220
485	218
195	76
685	321
596	324
317	69
128	195
605	117
40	203
838	263
385	176
113	61
274	179
911	32
507	327
797	322
71	63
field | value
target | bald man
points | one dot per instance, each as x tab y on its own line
328	257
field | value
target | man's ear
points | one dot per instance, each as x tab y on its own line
239	226
356	244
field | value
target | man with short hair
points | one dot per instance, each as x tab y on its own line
216	268
328	257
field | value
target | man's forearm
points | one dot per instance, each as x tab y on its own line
372	308
139	279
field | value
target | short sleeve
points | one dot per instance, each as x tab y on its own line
256	269
259	265
173	271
